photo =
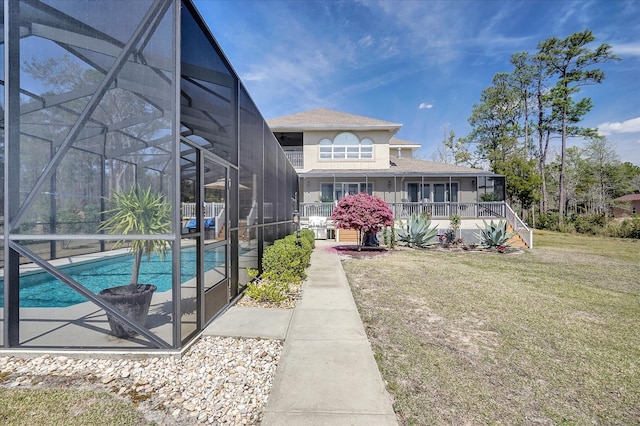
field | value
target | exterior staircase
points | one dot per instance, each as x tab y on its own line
516	240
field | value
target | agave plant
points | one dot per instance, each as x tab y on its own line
416	232
495	234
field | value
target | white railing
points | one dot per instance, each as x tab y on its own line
219	222
435	210
210	209
296	158
267	211
405	209
492	209
520	227
316	209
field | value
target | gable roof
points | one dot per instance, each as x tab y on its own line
326	119
403	167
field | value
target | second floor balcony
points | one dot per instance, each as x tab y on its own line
296	157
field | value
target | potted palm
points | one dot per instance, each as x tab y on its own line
141	212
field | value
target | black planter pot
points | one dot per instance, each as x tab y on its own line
131	301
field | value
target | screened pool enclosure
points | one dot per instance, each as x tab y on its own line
105	98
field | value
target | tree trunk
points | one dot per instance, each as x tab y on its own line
561	180
135	271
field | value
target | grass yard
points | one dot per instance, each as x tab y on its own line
551	336
44	407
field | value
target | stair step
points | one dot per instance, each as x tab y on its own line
346	236
516	240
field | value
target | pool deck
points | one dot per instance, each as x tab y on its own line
43	329
71	329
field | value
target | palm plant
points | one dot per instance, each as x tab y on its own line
140	212
416	232
136	211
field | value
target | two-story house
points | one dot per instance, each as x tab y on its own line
336	154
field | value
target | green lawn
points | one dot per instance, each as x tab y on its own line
551	336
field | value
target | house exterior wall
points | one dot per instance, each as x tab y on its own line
390	189
403	152
312	187
311	140
628	209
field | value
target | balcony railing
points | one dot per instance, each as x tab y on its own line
296	158
210	209
316	209
436	210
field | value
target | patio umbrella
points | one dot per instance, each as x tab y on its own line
221	184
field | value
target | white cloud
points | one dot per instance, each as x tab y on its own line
629	49
425	106
366	41
628	126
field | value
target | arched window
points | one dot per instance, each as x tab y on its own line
346	146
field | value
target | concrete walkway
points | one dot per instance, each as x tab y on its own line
327	374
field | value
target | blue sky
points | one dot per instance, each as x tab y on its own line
420	63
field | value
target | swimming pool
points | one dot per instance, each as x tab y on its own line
41	290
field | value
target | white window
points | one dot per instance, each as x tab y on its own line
346	146
337	191
432	192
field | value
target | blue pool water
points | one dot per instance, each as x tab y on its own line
42	290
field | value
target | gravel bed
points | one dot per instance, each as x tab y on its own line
218	381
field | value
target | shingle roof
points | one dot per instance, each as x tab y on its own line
404	167
397	141
321	119
629	197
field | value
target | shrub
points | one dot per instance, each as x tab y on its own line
286	260
309	235
495	234
268	291
416	231
589	223
450	238
283	264
389	236
628	228
455	221
547	221
489	197
566	227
